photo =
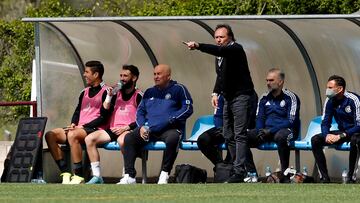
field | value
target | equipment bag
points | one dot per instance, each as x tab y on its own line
186	173
223	171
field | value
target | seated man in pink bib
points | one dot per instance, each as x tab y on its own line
126	99
88	117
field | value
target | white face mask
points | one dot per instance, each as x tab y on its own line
330	93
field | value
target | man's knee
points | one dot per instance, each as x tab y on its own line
283	136
203	140
76	136
55	137
317	140
49	136
173	138
90	140
130	139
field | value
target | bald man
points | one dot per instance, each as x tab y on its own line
161	115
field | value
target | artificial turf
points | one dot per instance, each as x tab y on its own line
259	192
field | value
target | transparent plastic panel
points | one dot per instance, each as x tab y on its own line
61	81
111	44
268	46
334	48
192	68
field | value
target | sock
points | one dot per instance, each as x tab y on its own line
78	169
62	165
95	167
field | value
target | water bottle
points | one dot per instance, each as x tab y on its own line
344	176
305	172
147	133
117	88
39	178
267	171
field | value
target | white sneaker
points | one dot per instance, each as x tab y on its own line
164	177
127	180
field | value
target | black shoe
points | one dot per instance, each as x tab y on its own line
236	178
285	179
324	180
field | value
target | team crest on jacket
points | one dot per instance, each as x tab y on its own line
282	103
347	109
168	96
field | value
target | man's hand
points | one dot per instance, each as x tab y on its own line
119	130
332	138
144	134
69	127
109	91
214	101
263	134
191	45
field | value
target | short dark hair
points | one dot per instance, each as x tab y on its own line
133	69
229	30
281	72
340	81
96	66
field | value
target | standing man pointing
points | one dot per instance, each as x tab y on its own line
235	83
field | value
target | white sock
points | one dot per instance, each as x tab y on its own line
95	167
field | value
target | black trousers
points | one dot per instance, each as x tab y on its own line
238	116
209	142
318	142
282	138
133	144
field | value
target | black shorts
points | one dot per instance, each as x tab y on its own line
90	130
112	135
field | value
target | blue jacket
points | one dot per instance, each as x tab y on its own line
163	109
275	113
345	111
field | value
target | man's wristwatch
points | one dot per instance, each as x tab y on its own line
342	135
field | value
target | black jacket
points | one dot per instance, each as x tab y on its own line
233	75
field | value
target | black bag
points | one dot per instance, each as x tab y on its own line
223	171
274	177
186	173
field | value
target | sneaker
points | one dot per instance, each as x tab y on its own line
127	180
251	178
236	178
96	180
75	179
164	178
65	177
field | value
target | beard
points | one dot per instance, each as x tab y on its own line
273	88
128	85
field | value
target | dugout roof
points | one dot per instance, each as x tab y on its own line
308	48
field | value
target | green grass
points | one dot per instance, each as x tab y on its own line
260	192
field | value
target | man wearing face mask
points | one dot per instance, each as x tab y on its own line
344	107
277	118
